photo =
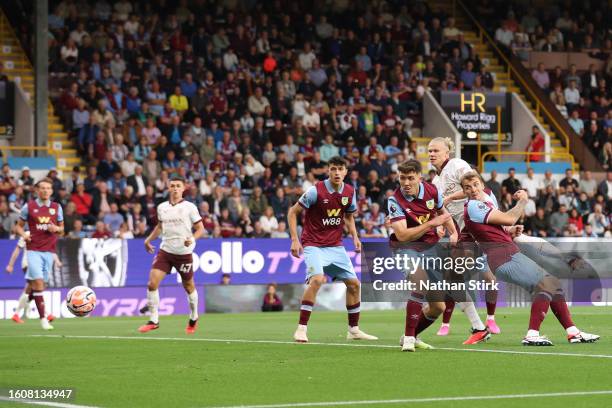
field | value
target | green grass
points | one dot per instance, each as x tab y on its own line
173	373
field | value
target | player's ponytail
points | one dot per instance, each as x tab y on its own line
446	141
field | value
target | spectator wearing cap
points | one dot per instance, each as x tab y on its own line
25	179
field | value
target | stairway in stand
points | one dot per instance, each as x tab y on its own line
19	69
503	82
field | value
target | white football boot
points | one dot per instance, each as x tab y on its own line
408	343
538	340
419	344
300	334
582	337
354	333
44	323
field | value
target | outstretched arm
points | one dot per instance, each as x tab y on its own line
511	216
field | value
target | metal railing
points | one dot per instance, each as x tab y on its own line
482	33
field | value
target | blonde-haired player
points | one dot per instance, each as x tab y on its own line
179	223
448	181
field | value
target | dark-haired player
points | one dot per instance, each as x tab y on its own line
26	297
180	225
490	228
45	220
329	205
416	209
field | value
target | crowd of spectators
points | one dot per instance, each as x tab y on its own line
559	208
246	100
581	96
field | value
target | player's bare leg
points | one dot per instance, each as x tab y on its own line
446	316
491	301
550	294
192	298
38	286
308	299
155	278
419	316
24	299
353	307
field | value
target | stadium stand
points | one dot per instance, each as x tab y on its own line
248	100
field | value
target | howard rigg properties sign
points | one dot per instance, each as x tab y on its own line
477	111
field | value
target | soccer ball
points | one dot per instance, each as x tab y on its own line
81	301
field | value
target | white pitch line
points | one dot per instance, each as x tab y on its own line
477	350
420	400
43	403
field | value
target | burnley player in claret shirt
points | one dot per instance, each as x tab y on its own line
329	205
493	230
45	221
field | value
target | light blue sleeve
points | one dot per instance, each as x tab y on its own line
353	207
60	214
309	197
24	212
394	210
494	200
440	199
478	211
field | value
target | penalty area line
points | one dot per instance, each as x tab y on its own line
43	403
421	400
475	350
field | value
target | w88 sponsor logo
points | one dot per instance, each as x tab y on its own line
331	221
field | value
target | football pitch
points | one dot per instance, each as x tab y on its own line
250	360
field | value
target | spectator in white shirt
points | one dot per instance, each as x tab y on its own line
299	106
258	102
572	96
311	119
268	221
504	35
306	57
530	183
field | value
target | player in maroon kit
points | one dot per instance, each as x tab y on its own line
45	220
415	210
491	229
329	205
